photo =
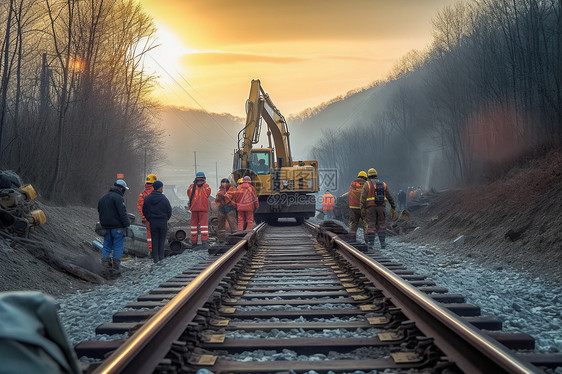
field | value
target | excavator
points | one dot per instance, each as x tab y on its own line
284	186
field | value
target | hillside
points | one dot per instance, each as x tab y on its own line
512	222
354	109
212	136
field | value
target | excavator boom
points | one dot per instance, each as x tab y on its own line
279	180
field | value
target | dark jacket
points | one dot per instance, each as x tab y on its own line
112	210
156	207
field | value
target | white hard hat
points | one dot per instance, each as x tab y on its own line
122	183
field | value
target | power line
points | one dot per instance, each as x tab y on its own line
192	98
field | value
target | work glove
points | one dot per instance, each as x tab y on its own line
393	214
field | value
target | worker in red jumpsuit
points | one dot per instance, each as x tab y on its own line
328	205
246	204
198	194
150	179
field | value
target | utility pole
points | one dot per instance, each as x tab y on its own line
144	166
217	174
195	165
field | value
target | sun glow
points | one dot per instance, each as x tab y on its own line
165	59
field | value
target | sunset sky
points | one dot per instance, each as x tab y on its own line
304	52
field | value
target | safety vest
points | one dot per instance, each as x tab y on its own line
377	193
355	193
246	198
328	201
140	202
200	200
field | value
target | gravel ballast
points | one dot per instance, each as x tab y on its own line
528	305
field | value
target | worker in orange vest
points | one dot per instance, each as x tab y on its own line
374	196
328	205
354	195
226	210
198	194
246	204
150	179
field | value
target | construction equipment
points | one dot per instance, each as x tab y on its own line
284	186
19	211
404	215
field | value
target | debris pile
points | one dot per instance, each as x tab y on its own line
19	212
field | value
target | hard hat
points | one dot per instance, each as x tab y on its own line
225	180
372	172
121	183
200	174
239	180
151	178
362	174
247	179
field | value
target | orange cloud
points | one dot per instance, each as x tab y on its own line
217	58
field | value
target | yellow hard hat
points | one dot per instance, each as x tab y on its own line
362	174
239	181
372	172
151	178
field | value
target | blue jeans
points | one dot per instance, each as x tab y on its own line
113	240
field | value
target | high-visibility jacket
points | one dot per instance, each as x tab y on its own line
225	198
246	198
200	200
328	201
355	193
147	190
376	193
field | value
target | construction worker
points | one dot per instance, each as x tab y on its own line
157	210
246	204
411	193
113	218
328	205
401	200
198	194
355	205
226	209
374	195
150	179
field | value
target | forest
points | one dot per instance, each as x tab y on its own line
75	96
76	105
485	95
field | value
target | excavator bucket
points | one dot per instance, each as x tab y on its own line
404	215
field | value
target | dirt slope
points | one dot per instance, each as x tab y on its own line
38	264
515	221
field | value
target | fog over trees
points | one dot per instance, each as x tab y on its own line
75	99
487	91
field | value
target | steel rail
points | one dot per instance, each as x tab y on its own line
146	347
462	343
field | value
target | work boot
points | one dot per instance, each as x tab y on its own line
381	239
106	267
115	269
116	265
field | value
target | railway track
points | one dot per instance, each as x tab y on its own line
301	298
